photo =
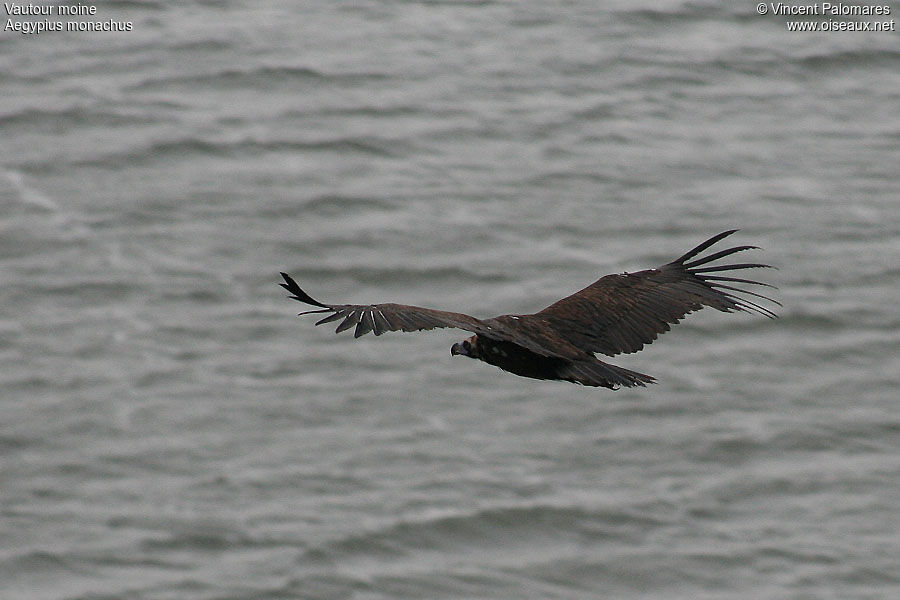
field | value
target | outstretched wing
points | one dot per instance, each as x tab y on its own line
621	313
379	318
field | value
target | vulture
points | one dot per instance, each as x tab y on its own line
616	314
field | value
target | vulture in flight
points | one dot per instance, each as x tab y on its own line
615	314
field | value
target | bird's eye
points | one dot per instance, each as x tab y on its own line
466	345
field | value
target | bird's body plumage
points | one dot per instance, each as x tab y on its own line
616	314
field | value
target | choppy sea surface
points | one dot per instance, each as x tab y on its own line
169	429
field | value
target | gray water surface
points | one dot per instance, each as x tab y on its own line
170	430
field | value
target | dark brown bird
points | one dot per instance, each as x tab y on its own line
615	314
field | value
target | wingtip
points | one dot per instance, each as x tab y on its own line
704	245
297	293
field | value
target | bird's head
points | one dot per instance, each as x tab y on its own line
467	347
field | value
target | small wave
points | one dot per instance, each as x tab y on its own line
469	3
27	194
684	12
854	59
805	320
175	149
668	81
206	540
365	145
333	204
39	562
11	443
810	476
733	450
197	45
858	435
367	110
264	77
231	78
34	118
327	205
92	291
191	147
512	526
163	534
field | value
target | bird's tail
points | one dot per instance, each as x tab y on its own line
597	373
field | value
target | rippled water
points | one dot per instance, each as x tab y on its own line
170	429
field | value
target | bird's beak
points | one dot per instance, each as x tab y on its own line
457	348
